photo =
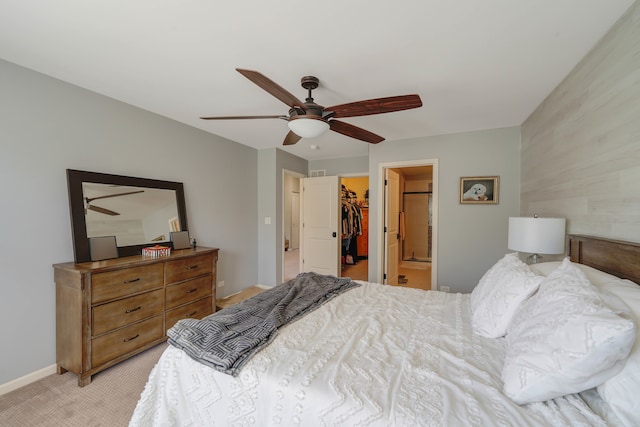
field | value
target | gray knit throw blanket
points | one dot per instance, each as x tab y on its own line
226	340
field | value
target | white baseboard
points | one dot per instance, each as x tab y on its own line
27	379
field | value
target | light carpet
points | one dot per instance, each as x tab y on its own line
56	400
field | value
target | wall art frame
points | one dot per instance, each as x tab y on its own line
479	190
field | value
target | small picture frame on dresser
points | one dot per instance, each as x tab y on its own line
103	247
180	239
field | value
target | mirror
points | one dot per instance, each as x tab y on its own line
139	212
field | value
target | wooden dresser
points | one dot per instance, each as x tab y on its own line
108	311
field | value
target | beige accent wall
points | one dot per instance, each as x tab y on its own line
581	146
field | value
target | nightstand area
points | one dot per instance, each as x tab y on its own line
238	297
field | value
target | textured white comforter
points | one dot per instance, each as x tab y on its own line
375	356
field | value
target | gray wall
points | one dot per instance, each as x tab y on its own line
343	166
271	163
471	238
581	147
47	126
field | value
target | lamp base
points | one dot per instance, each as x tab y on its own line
534	259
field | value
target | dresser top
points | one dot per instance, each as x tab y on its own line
136	260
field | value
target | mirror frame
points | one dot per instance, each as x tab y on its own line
75	178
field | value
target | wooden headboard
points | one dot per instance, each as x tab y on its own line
615	257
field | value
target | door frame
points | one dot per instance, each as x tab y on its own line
381	255
298	175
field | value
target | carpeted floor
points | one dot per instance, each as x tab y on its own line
57	400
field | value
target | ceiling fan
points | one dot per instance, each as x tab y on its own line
104	210
308	119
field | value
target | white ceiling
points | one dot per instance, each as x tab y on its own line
475	64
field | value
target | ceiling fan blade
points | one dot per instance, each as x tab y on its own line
102	210
355	132
291	138
89	200
272	87
375	106
245	117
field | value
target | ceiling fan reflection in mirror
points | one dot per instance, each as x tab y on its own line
309	120
90	207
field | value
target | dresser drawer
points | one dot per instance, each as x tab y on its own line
113	315
120	283
183	269
117	343
187	291
195	310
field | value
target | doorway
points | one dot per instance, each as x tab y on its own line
354	199
409	224
291	220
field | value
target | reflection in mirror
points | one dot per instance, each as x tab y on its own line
135	215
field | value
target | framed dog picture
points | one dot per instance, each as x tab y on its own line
479	190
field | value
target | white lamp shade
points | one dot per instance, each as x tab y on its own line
537	235
308	126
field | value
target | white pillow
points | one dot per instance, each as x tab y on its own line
622	392
567	338
499	293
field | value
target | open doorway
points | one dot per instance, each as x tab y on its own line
291	224
409	224
354	199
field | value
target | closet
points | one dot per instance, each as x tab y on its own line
355	227
351	225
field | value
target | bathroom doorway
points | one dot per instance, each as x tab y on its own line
412	263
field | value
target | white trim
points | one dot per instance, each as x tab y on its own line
27	379
381	205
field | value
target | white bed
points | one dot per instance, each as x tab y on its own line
374	356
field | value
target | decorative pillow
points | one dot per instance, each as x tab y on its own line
499	293
567	338
621	392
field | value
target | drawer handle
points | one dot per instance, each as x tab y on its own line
192	267
131	339
131	310
137	279
190	291
192	314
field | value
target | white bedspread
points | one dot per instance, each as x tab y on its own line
374	356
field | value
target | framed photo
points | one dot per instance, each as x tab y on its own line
103	247
479	190
180	239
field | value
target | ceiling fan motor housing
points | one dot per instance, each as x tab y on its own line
310	82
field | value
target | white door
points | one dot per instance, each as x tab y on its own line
295	221
320	232
391	226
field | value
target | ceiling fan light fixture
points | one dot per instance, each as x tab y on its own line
308	126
